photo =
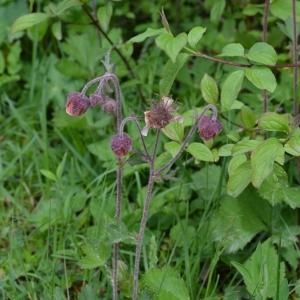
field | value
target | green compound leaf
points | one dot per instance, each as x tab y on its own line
239	179
169	73
200	152
104	14
231	88
261	77
28	21
97	253
272	121
234	49
262	53
247	116
195	36
244	147
171	45
167	283
173	148
262	160
209	89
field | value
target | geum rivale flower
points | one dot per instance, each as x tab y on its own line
209	128
77	104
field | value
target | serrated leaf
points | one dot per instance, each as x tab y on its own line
235	162
261	77
170	72
171	45
28	21
247	116
174	131
225	150
200	152
262	160
262	53
272	121
48	174
173	148
244	147
195	35
117	232
239	179
209	89
231	88
234	49
104	14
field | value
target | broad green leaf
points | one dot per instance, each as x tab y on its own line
225	150
174	131
209	89
171	45
64	5
244	147
48	174
288	149
71	68
97	254
283	9
261	77
234	49
104	14
235	162
262	160
236	105
167	282
118	232
172	148
231	88
250	10
200	152
272	121
217	11
239	179
295	144
195	35
56	30
247	116
169	73
244	272
233	135
28	21
148	33
262	53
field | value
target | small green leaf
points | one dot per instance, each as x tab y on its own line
262	160
233	135
162	160
234	49
48	174
64	5
295	144
171	45
60	168
262	53
209	89
288	149
244	271
117	232
250	10
235	162
225	150
195	36
148	33
239	179
174	131
247	116
28	21
104	14
200	152
172	148
56	30
261	77
244	146
272	121
169	73
231	88
217	11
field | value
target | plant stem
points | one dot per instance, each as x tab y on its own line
295	57
144	220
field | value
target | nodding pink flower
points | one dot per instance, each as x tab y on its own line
160	115
110	106
77	104
96	98
209	128
121	145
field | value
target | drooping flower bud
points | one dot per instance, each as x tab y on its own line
209	128
121	146
96	99
110	106
77	104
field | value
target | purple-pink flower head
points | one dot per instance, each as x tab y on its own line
97	98
160	115
121	145
110	106
77	104
209	128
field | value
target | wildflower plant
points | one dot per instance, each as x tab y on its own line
159	115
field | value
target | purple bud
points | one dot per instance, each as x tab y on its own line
77	104
121	146
110	106
97	99
209	128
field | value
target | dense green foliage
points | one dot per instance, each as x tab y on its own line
227	229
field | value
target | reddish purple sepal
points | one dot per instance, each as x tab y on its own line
77	104
208	128
121	146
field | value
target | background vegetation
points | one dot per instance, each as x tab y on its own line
57	173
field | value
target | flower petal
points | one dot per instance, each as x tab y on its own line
145	130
